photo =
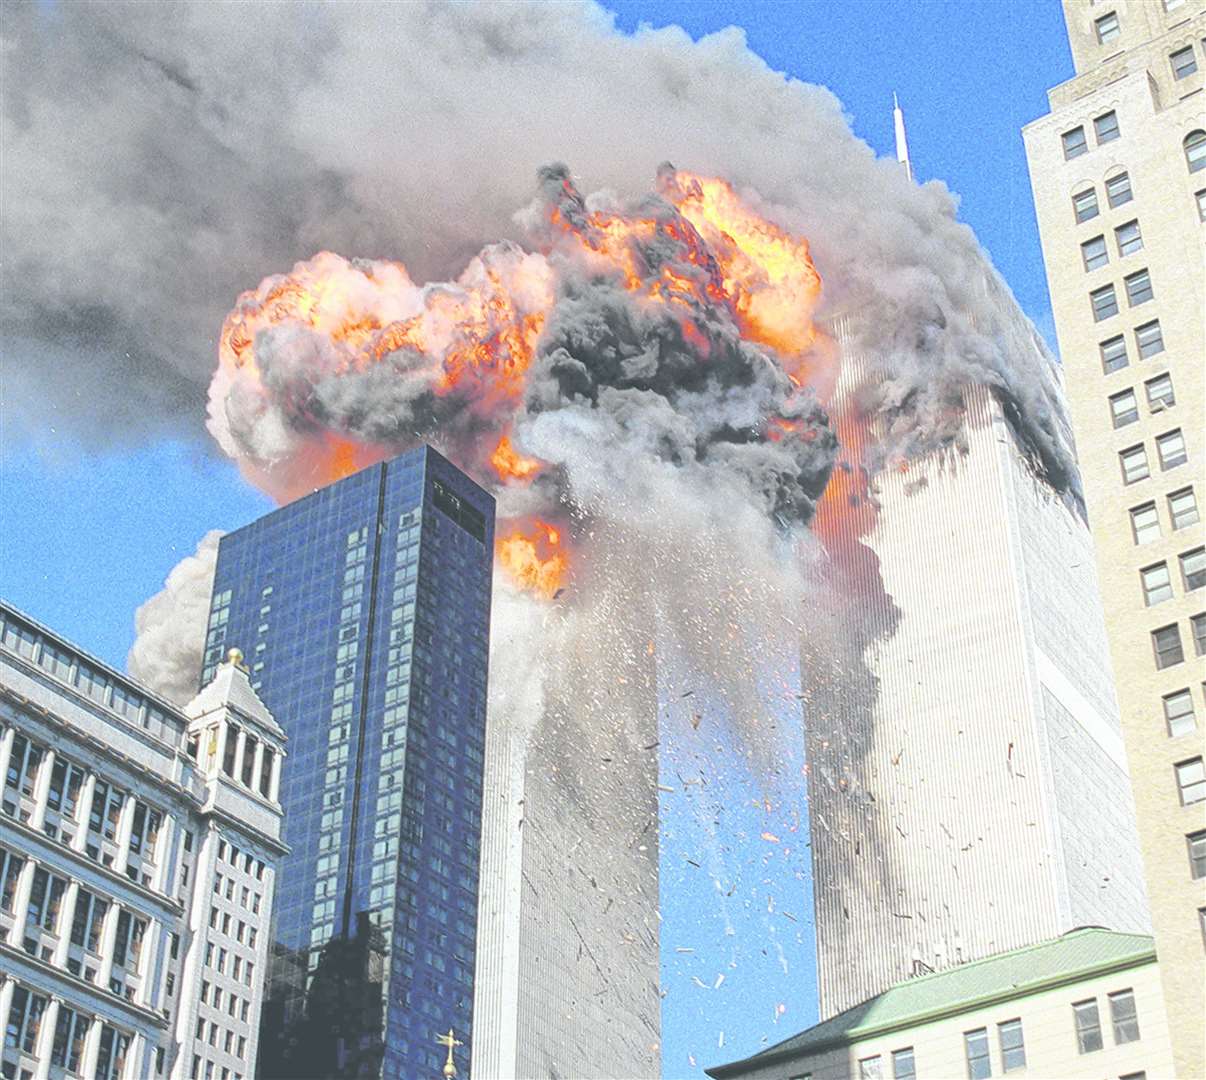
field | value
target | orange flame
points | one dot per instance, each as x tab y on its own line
534	559
510	464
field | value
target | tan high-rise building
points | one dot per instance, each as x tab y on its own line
1119	176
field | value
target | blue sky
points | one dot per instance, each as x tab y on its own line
85	539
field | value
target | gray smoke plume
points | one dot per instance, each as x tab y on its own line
170	626
159	159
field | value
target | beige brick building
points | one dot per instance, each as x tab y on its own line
1087	1004
1119	176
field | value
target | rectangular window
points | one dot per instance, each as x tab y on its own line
1183	508
1075	143
1124	408
1107	27
1145	525
1197	624
1128	238
1178	713
1138	288
1013	1048
1200	199
1134	464
1160	394
1193	569
1088	1026
1148	339
1183	62
1157	585
870	1068
1118	189
1197	855
1105	303
1113	354
1171	448
1124	1017
903	1065
975	1045
1094	254
1084	205
1106	127
1191	781
1166	645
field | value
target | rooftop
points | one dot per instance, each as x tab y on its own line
1078	955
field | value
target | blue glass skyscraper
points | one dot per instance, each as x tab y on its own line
363	611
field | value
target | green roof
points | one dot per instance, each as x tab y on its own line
1080	954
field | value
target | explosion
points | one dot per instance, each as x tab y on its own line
688	310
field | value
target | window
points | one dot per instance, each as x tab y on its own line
1076	144
1183	508
1124	1017
1145	525
1138	288
1200	198
1197	854
1166	644
1013	1049
1148	339
1118	189
1134	464
1195	150
1113	354
1191	781
870	1068
1171	448
1198	625
1124	408
1104	301
903	1065
1107	27
975	1045
1094	253
1088	1026
1106	128
1193	569
1084	205
1157	585
1178	713
1128	238
1183	62
1160	393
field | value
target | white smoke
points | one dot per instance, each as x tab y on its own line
170	626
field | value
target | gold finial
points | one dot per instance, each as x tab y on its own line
235	656
449	1041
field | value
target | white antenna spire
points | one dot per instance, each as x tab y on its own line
902	143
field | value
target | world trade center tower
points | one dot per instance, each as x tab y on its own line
363	612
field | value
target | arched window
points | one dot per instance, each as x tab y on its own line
1195	150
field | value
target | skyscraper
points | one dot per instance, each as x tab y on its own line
1118	169
967	783
364	613
138	851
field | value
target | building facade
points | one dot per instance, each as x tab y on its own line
968	785
1118	170
135	881
364	613
1087	1004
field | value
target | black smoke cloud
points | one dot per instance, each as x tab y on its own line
159	159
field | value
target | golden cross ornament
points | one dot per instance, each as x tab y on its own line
449	1041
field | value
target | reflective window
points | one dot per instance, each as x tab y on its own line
1105	127
1104	302
1138	288
1167	647
1088	1026
1183	62
1107	27
1084	204
1128	238
1183	508
1157	585
1193	569
1191	781
1013	1047
1118	189
1149	339
1075	143
1134	464
1094	254
1178	713
1171	448
975	1045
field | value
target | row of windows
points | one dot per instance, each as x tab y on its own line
1118	193
1105	127
1182	62
1104	301
1182	512
22	1028
242	932
1128	239
1149	342
1124	410
1156	580
214	996
229	1041
250	864
1168	648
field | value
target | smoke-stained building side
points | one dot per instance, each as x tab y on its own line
364	611
968	784
569	945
